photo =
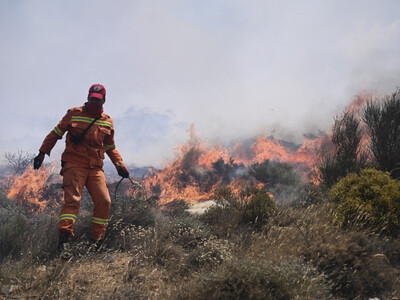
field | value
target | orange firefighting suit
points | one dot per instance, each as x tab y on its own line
82	165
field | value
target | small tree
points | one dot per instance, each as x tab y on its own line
344	156
258	209
19	161
383	121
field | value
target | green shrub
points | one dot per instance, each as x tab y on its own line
371	200
223	220
257	210
224	217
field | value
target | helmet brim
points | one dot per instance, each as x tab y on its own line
96	95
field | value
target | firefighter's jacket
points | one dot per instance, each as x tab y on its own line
89	153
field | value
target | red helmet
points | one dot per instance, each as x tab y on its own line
97	91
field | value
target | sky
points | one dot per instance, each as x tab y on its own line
234	69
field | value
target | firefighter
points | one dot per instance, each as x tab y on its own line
90	134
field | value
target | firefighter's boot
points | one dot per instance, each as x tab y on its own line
64	248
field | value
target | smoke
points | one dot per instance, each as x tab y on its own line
235	69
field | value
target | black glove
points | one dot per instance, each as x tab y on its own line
122	171
37	162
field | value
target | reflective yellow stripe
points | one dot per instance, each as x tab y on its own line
103	123
109	147
90	120
81	119
99	221
68	217
58	131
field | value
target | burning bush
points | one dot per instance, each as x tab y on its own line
351	149
34	191
371	199
199	169
280	179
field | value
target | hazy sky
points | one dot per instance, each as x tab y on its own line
234	69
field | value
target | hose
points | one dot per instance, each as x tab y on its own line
135	184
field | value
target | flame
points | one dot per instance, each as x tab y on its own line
178	180
192	176
267	148
199	168
358	102
30	188
356	107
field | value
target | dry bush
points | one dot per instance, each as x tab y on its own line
43	237
307	194
301	255
356	263
176	208
249	211
251	279
187	232
211	253
19	161
353	266
139	212
14	235
223	221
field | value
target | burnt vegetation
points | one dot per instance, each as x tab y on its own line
284	239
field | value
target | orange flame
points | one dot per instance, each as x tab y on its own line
195	174
191	176
358	102
28	189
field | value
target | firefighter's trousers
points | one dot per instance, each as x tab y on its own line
74	180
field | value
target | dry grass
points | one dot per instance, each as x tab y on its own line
298	254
